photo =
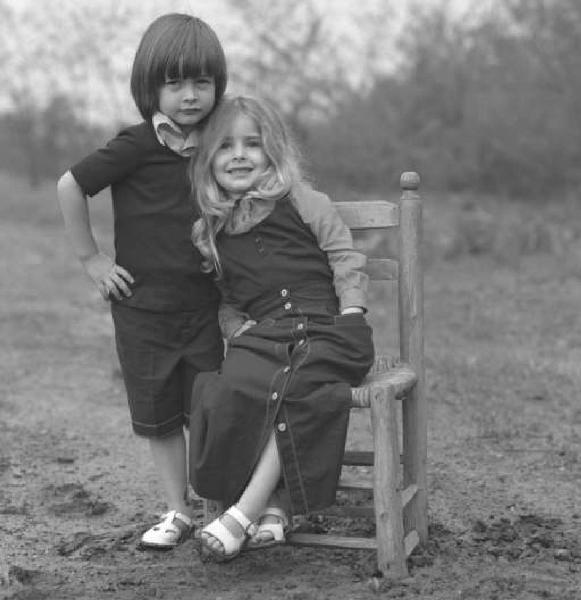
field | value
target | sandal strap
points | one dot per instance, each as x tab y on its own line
275	511
168	519
172	528
229	541
231	544
244	522
183	518
277	530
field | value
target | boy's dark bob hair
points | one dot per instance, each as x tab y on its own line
177	46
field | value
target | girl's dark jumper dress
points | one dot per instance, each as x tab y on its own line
292	371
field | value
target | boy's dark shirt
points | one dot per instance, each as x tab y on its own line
153	214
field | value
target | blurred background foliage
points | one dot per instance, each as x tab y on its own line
486	102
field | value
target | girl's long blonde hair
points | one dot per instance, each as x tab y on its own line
282	174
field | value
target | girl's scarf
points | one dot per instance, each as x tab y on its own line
248	211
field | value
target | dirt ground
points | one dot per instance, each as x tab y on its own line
77	488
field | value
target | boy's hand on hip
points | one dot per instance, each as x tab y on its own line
110	278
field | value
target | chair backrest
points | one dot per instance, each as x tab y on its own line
404	265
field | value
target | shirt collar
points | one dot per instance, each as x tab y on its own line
170	135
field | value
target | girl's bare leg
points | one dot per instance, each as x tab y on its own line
278	499
259	490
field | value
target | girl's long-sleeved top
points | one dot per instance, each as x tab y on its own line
333	237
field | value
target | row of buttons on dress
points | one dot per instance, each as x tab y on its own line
300	326
285	293
280	426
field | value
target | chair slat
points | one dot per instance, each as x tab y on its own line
334	541
364	483
358	458
361	481
380	269
369	214
348	510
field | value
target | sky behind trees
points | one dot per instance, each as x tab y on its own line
83	49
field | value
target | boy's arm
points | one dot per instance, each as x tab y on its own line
334	238
110	278
232	320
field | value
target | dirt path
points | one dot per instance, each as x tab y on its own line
77	489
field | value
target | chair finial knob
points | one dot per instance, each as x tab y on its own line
409	180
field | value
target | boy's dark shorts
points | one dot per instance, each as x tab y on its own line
160	355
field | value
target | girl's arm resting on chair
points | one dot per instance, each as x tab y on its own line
334	238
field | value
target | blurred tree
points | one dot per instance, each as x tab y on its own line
70	67
487	101
80	50
409	120
292	55
487	104
42	147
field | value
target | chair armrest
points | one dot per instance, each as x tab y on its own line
401	379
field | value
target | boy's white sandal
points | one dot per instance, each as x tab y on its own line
168	533
275	532
231	544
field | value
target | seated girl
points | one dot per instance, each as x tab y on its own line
267	432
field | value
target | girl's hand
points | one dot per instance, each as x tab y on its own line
246	325
110	278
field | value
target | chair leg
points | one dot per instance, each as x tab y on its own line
391	555
414	459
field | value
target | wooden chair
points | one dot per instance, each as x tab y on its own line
399	491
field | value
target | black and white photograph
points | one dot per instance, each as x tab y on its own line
291	300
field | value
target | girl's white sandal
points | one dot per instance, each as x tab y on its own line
276	532
168	534
231	544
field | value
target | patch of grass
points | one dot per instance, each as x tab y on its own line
505	230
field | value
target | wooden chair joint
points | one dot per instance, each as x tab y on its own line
400	379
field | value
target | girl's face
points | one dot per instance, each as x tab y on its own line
240	160
187	101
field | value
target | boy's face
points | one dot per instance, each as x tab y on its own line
240	160
187	101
